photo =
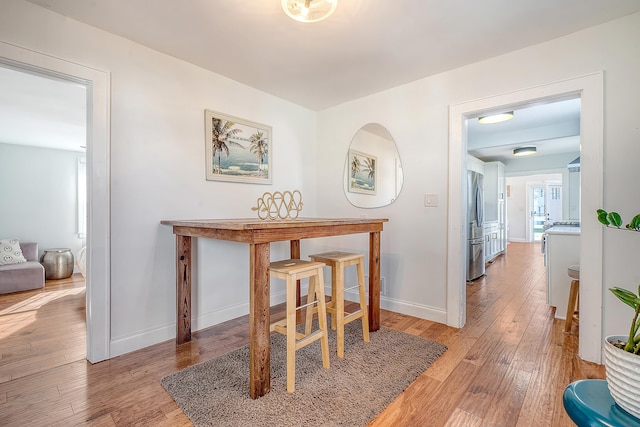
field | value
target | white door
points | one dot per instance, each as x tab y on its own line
554	202
538	212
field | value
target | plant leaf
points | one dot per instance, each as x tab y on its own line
602	216
626	297
615	219
635	222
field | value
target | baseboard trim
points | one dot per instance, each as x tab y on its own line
135	342
168	332
409	308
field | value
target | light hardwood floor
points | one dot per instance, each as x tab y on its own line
507	367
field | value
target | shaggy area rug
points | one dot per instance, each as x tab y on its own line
350	393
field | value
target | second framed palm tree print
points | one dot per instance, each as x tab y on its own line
237	150
362	176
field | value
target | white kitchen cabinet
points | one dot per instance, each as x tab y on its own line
491	240
562	249
495	207
494	184
574	195
487	242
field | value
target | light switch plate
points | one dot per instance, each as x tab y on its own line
431	200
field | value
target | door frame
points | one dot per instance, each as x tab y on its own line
590	88
98	178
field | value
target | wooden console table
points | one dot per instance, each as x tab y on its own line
259	234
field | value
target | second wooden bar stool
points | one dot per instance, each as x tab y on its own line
574	298
338	261
292	270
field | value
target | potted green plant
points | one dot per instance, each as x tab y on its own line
621	352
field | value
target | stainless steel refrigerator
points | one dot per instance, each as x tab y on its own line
475	228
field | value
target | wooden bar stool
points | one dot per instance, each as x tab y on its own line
574	298
292	270
338	261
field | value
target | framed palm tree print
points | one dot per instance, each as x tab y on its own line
237	150
363	172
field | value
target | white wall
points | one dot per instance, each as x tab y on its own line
39	196
157	171
415	240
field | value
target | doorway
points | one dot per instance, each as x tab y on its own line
590	88
97	100
545	207
47	201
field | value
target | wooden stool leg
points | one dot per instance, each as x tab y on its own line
334	275
311	309
363	301
571	305
291	334
338	300
322	317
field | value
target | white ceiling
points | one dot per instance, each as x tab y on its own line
553	128
41	111
366	46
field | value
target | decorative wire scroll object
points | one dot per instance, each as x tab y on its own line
286	205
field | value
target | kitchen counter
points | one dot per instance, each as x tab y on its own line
564	229
562	249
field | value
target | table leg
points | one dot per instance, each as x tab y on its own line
259	321
294	253
183	289
374	281
294	249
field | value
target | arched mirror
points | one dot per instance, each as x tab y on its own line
373	172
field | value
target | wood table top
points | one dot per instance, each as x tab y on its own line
254	223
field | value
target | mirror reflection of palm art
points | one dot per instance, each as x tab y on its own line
363	173
237	150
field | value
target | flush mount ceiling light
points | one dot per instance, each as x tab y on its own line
524	151
309	10
496	118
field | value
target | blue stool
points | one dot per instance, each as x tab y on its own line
589	404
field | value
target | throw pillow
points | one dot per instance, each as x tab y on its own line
10	252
